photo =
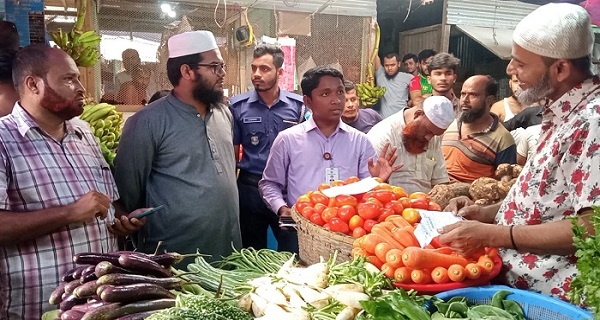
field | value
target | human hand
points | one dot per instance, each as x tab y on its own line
384	166
458	203
285	215
91	205
127	224
467	238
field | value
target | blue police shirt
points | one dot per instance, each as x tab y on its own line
255	125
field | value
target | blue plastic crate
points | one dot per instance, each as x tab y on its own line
536	306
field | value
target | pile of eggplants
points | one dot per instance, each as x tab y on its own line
122	285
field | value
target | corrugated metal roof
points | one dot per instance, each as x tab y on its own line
503	14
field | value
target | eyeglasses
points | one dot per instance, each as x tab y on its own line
216	67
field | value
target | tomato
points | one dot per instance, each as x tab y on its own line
319	207
419	204
368	225
384	196
316	219
420	195
411	215
337	183
302	204
346	212
327	226
307	212
375	201
383	186
352	179
395	205
400	192
356	222
434	207
323	186
318	197
329	213
342	200
358	232
368	210
303	198
337	225
378	179
385	212
367	195
405	202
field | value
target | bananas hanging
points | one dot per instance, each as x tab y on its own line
106	124
369	94
81	46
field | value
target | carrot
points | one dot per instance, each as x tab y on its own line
444	250
381	249
491	252
388	270
440	275
386	224
394	258
417	258
456	273
402	275
420	276
435	242
374	261
403	237
357	242
486	263
386	235
411	233
370	241
473	271
358	252
398	221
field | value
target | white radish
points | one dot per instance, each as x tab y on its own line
350	298
257	282
293	297
310	295
356	287
317	275
259	305
245	302
348	313
271	294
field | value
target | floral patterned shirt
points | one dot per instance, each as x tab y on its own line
558	181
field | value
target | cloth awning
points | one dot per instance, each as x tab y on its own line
498	41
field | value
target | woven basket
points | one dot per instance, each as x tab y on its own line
316	242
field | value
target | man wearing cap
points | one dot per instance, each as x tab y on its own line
177	152
415	132
259	115
476	143
551	57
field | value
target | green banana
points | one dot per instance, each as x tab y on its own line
99	132
100	113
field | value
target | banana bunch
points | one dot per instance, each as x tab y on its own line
81	46
106	124
368	93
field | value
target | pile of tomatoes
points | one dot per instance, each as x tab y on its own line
355	215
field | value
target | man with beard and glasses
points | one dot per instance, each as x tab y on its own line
361	119
258	116
476	143
56	190
533	226
442	76
415	132
177	152
320	150
395	82
420	87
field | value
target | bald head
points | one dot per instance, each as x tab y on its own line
476	97
35	60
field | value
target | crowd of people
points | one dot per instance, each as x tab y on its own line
58	196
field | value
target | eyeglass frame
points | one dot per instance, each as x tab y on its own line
222	66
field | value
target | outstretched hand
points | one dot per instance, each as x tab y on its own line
384	166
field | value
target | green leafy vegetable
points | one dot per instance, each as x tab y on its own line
355	271
396	305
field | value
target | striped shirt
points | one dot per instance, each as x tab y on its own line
38	172
478	154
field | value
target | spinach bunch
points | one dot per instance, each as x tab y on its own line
585	287
459	308
396	305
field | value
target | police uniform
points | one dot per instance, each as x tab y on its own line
255	128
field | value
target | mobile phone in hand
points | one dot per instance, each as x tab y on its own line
147	212
286	221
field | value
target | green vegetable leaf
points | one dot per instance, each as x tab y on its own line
483	312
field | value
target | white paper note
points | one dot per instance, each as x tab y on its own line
359	187
431	221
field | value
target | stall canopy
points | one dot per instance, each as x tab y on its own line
113	44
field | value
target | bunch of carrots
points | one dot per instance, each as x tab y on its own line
393	248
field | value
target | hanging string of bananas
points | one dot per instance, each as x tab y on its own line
81	46
106	123
367	92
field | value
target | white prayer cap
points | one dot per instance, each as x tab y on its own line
192	42
439	110
556	30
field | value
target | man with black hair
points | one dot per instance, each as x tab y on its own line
395	82
258	117
9	36
361	119
410	61
420	87
442	76
320	150
177	152
8	94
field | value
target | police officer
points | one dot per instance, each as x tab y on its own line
259	115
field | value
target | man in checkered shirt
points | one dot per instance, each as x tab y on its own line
56	189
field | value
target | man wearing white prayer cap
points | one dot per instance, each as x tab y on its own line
551	57
416	133
178	152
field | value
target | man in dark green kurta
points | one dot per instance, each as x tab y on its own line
178	152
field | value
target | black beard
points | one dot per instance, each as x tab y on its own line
472	116
392	76
204	93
